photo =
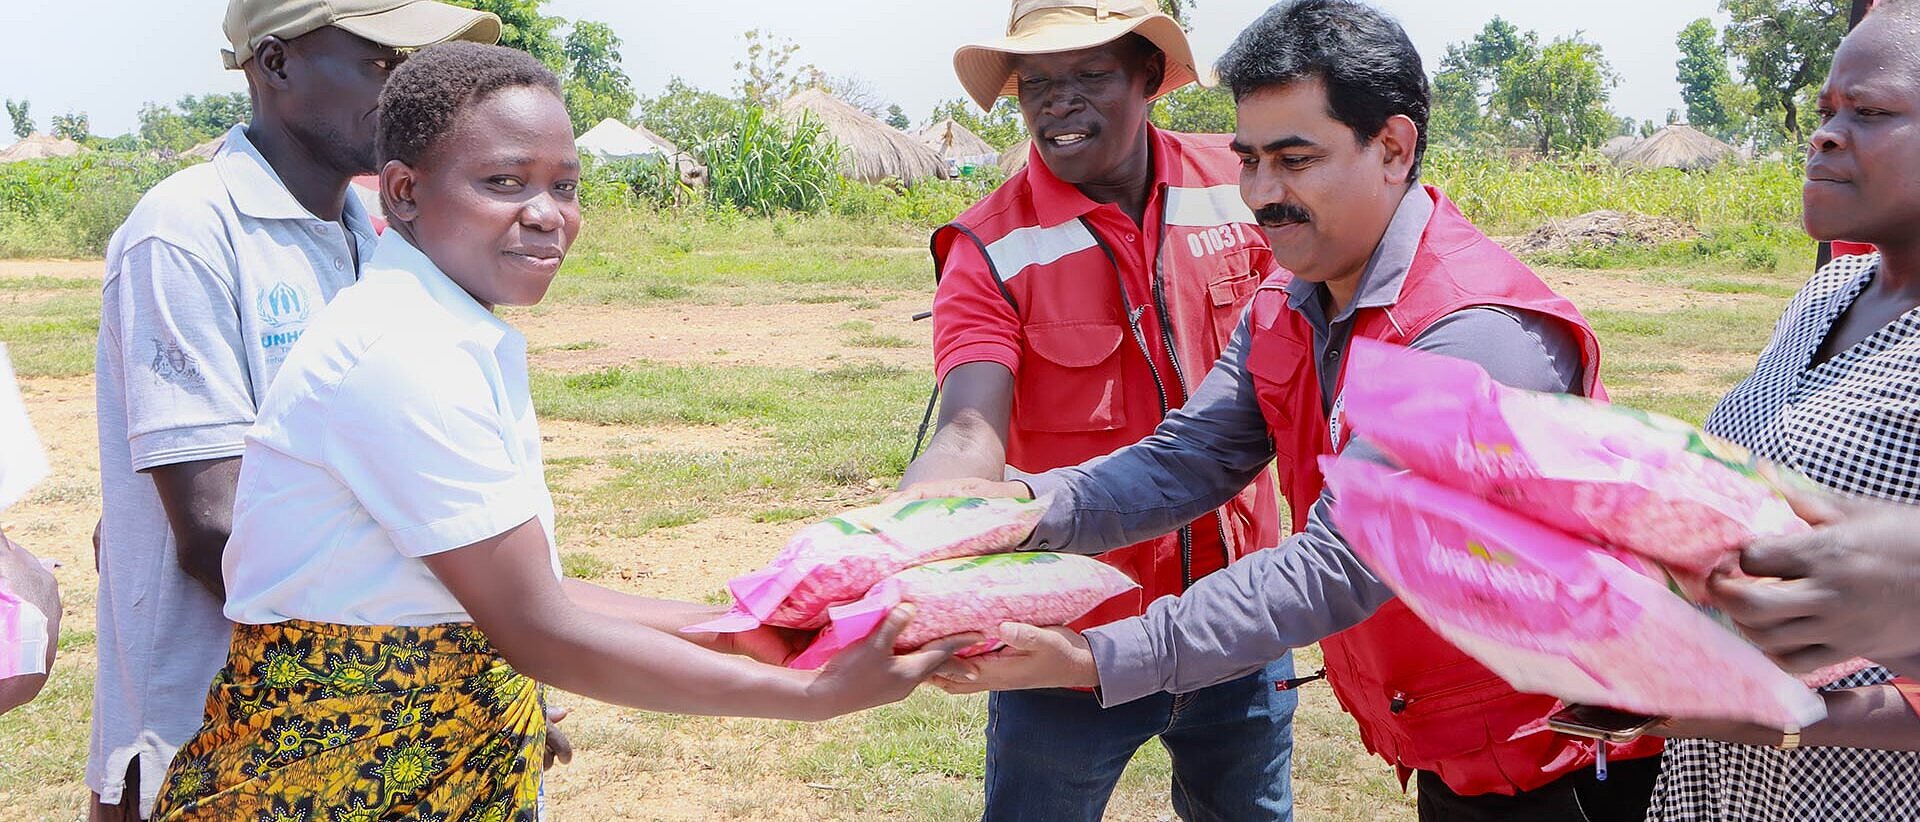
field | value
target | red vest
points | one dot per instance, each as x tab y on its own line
1118	323
1420	702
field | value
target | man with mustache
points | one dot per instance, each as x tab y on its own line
209	282
1077	305
1332	105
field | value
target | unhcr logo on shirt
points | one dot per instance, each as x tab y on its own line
282	305
284	308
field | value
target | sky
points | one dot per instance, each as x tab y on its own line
107	57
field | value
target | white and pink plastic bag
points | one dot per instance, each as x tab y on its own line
973	594
1550	612
837	560
1644	482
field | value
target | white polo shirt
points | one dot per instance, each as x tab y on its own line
208	284
400	426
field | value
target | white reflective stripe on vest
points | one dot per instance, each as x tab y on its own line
1036	245
1206	207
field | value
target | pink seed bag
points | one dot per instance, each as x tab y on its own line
958	596
23	636
1552	613
838	559
1644	482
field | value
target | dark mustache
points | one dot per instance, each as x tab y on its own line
1279	214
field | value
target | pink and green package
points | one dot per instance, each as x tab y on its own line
1552	613
838	559
973	594
1644	482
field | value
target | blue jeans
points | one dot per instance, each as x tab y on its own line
1055	755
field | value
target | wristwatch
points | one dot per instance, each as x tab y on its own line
1789	740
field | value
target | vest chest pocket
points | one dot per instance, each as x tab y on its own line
1227	299
1070	378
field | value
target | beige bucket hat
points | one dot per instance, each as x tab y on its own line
398	24
1052	26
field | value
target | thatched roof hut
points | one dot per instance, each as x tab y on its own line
950	139
1612	149
206	150
40	147
1676	146
870	151
1015	157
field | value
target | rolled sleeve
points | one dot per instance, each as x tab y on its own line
461	482
972	320
188	388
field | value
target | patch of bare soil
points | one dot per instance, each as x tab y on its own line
1615	291
1603	229
583	338
64	269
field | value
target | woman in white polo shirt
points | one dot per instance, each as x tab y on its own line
392	566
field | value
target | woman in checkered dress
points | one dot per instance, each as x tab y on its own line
1835	396
1851	422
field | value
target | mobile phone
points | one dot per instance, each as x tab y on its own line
1595	722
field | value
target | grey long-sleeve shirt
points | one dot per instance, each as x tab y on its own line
1235	621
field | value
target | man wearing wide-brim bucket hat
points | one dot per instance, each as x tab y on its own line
1078	305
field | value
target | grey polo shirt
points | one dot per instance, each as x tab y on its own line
208	284
1234	621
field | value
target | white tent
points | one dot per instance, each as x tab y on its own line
613	140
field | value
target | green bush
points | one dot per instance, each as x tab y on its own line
652	181
763	165
70	206
926	203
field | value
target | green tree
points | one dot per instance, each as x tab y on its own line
769	75
210	115
1703	71
1196	110
1181	10
72	126
22	118
689	117
1470	75
1560	99
597	87
1001	127
1785	48
164	130
524	27
898	118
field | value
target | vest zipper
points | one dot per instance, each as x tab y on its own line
1140	338
1186	393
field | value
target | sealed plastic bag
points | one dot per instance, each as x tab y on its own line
837	560
975	594
23	636
1640	481
1552	613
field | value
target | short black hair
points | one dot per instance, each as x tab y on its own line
1371	70
430	89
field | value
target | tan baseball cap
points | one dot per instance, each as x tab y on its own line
399	24
1053	26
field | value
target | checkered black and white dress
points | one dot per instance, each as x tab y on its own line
1851	424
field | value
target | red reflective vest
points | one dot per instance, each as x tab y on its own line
1421	703
1118	322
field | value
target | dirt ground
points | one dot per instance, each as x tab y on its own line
672	772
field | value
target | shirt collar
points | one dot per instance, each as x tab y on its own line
1056	201
1386	271
395	253
258	191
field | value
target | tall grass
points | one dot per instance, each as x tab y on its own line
763	165
1509	196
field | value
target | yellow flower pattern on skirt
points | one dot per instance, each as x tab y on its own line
313	722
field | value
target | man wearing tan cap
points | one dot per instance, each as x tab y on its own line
209	282
1078	305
